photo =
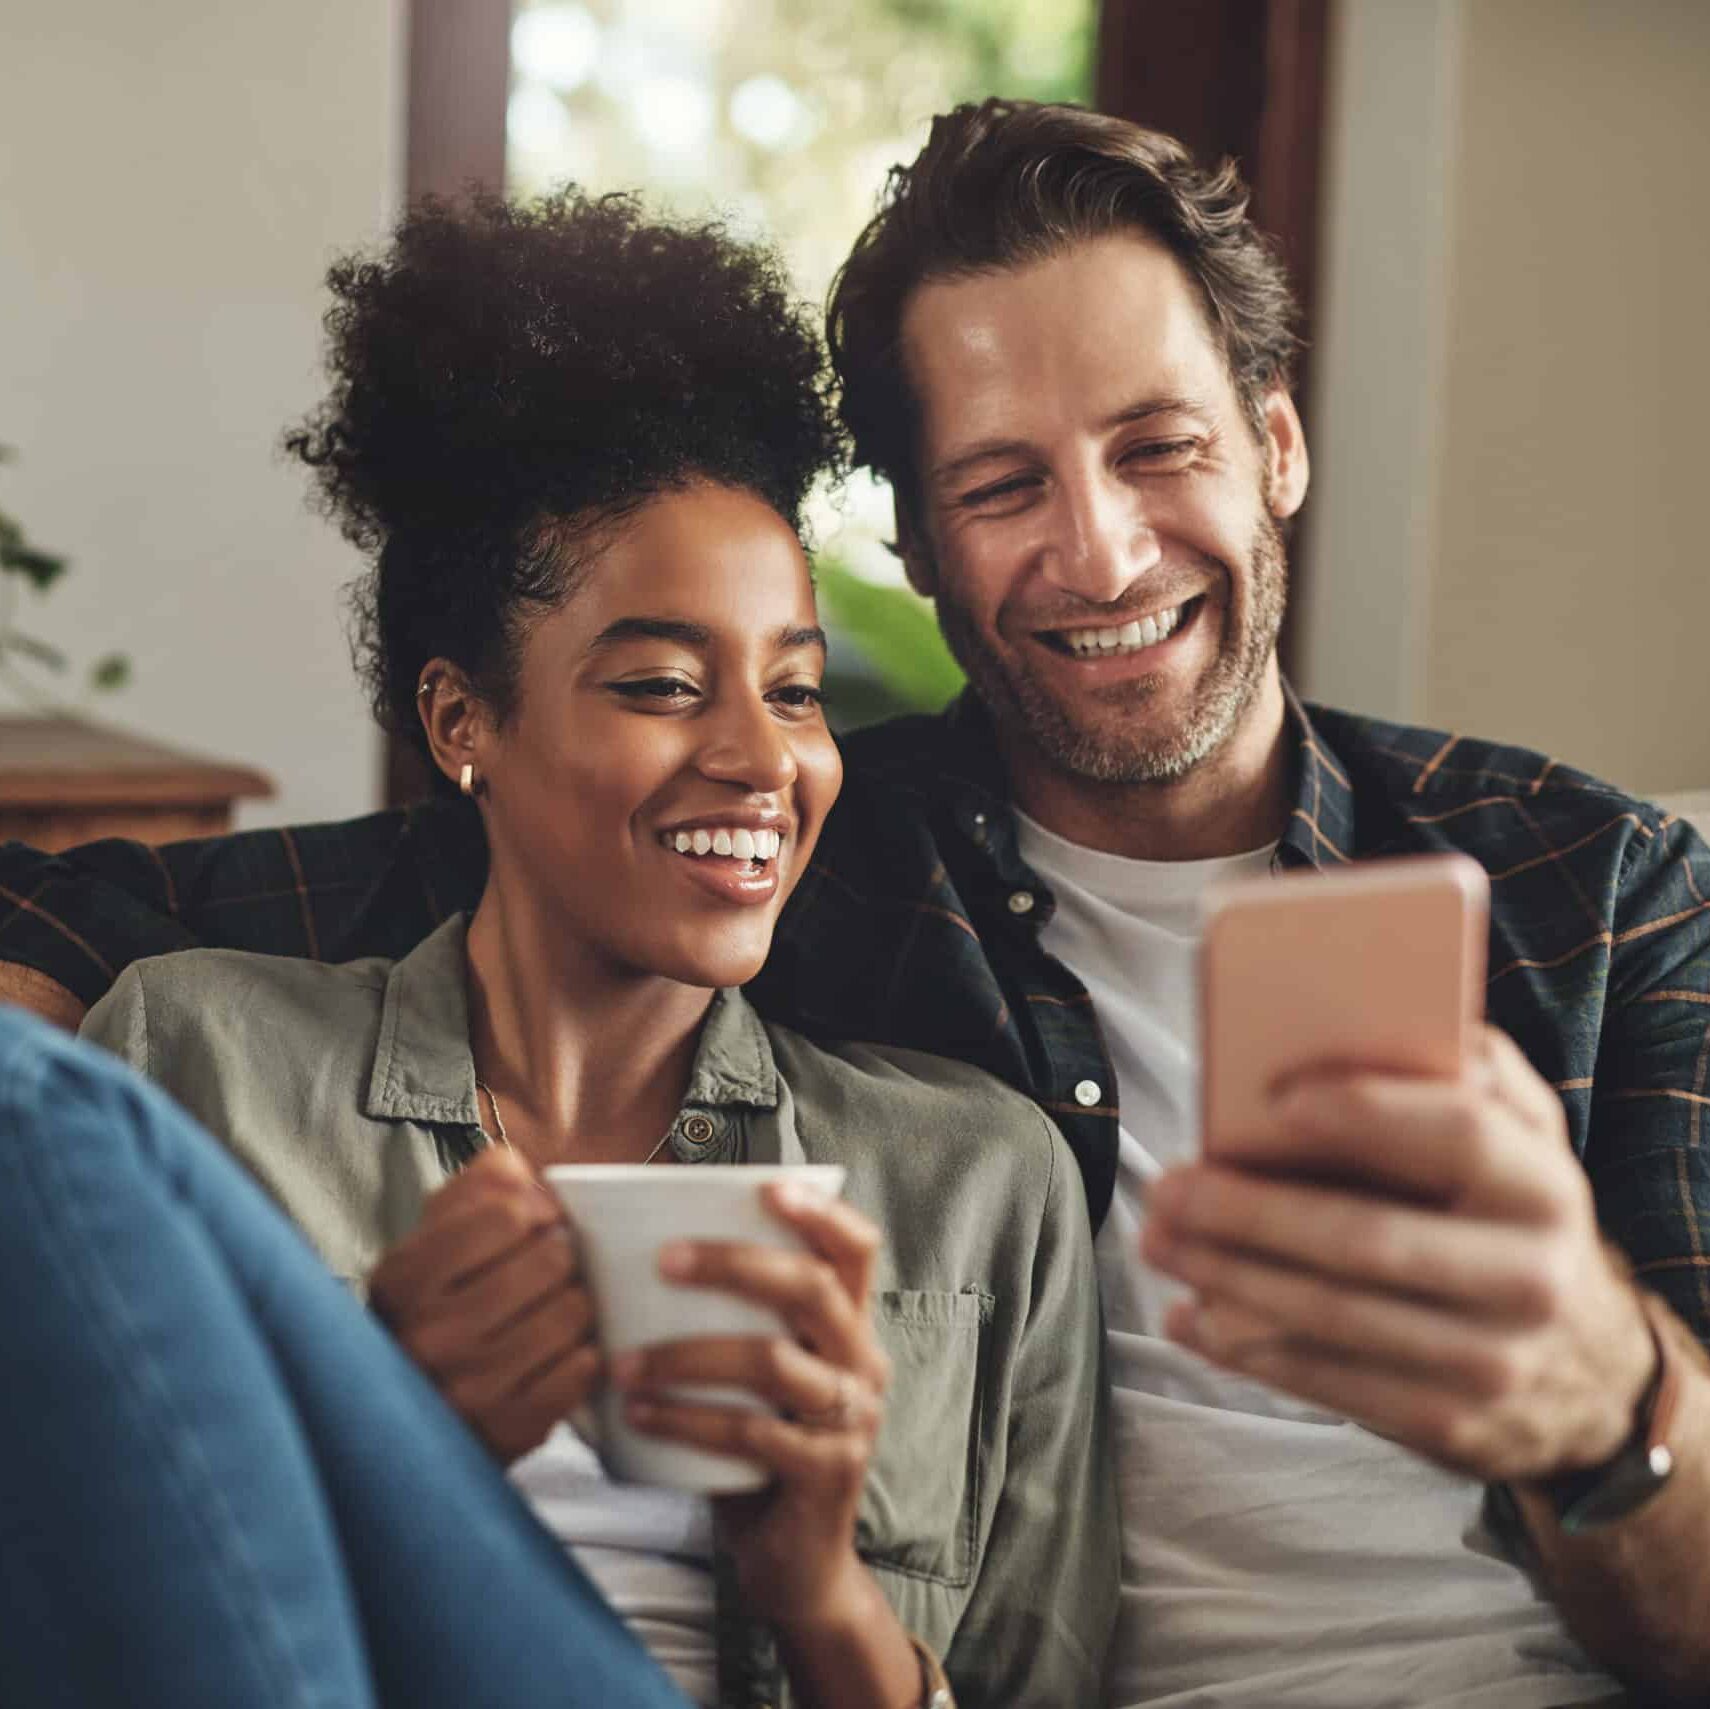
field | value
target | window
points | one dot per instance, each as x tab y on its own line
785	116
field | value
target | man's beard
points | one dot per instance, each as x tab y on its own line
1114	750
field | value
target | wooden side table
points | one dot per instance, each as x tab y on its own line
64	781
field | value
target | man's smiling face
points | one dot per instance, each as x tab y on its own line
1098	519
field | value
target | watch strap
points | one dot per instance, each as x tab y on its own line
935	1692
1598	1495
1666	1394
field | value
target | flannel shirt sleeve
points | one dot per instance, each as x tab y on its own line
1648	1143
370	886
83	916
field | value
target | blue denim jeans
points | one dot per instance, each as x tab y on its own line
221	1483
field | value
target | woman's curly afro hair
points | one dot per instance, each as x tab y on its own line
510	379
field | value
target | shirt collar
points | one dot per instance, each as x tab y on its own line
1320	828
423	1070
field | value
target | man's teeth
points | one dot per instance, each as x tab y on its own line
1129	638
741	844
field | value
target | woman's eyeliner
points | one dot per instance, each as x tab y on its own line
653	688
669	688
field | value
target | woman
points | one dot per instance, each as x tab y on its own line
578	444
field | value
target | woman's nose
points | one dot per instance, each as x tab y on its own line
747	745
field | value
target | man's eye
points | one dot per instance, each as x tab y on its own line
654	688
1159	451
1000	490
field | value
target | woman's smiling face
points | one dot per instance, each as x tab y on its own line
657	790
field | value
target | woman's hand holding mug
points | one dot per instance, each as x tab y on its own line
794	1540
485	1295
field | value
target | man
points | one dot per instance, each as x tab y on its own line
1352	1418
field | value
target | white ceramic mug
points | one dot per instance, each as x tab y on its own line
622	1215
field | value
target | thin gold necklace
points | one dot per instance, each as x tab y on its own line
505	1140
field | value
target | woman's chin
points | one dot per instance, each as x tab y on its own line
715	965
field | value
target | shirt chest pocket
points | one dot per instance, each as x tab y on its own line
920	1511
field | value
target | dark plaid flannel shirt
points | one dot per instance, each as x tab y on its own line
918	924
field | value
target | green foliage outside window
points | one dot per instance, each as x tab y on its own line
786	116
901	662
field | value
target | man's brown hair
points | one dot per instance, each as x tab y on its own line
1006	183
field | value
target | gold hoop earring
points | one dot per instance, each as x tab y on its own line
466	778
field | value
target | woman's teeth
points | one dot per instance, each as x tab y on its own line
740	844
1129	638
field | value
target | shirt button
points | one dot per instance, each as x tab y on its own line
1088	1093
1021	902
697	1130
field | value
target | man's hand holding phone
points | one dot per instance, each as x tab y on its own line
1414	1248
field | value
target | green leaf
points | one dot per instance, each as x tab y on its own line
31	648
112	672
40	569
895	632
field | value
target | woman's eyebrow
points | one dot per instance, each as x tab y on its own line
689	634
653	629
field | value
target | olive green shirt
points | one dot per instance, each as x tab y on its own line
989	1517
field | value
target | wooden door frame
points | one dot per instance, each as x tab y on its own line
457	86
1248	79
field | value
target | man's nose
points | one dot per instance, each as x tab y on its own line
1105	541
746	744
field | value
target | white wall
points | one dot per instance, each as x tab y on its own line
1371	527
1571	605
174	177
1510	418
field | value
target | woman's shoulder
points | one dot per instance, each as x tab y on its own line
234	998
203	977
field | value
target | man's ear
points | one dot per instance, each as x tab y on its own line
913	548
454	718
1287	467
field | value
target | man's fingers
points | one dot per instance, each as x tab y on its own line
1452	1348
1440	1142
1420	1414
1516	1080
1377	1243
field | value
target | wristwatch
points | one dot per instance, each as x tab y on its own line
935	1690
1584	1500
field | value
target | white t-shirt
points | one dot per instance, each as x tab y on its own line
648	1550
1274	1556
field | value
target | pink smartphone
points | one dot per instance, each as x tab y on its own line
1378	966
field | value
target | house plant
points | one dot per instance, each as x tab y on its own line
25	565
